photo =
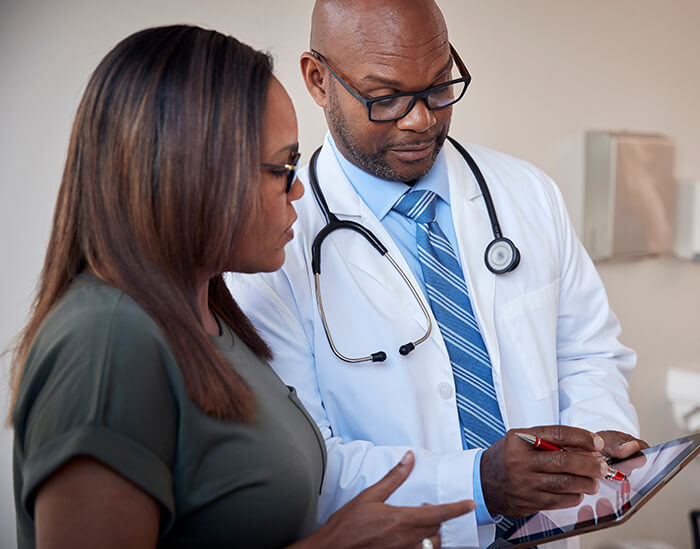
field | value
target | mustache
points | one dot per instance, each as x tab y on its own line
410	145
438	137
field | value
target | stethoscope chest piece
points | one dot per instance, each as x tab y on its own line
501	256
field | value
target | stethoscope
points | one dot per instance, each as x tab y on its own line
501	255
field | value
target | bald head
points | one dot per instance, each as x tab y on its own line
373	49
349	28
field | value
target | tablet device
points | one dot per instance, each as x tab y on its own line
647	472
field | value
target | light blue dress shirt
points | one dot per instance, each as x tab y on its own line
380	195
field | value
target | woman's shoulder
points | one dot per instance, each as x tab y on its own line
99	330
99	345
95	315
89	306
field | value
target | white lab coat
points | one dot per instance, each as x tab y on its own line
548	328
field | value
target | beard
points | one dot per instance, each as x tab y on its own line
376	163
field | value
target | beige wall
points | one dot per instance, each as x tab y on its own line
658	303
544	71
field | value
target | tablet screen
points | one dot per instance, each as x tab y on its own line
614	502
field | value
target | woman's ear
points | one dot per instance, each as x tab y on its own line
315	77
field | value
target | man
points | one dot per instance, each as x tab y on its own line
531	347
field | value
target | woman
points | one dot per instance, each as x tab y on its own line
145	414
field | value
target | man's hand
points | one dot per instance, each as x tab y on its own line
620	445
518	479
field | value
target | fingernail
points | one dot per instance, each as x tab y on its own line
604	469
407	458
629	444
598	442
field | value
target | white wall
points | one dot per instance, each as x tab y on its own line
543	71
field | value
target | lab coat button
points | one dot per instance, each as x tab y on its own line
444	389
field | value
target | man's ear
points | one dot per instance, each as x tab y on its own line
315	77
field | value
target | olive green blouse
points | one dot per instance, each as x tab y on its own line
101	381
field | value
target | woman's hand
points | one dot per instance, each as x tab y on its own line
366	521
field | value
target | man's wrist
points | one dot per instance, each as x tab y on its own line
483	515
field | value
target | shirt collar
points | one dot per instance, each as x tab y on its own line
380	194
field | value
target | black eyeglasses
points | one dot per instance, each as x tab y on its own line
387	108
290	169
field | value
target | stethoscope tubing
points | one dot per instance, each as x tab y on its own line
334	224
488	201
501	255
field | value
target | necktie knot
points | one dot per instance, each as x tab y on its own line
417	205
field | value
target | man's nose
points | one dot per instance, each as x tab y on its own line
419	119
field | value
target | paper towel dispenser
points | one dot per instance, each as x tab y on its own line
629	195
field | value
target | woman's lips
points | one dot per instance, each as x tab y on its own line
289	233
413	154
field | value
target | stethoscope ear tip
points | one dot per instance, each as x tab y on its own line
406	348
378	356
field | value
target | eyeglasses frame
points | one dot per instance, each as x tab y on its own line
290	168
368	101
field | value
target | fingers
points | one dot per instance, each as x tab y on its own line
558	484
382	489
621	445
427	515
568	437
578	471
570	463
566	473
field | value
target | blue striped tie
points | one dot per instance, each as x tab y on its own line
479	415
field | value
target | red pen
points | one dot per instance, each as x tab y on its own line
613	474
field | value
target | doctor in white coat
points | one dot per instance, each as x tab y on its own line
547	326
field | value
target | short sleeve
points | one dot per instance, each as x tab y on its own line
99	382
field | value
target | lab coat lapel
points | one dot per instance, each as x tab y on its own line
344	201
473	230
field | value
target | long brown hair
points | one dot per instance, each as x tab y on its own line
160	181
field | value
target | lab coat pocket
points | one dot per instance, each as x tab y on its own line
531	320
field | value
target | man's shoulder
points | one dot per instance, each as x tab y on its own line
515	185
496	161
